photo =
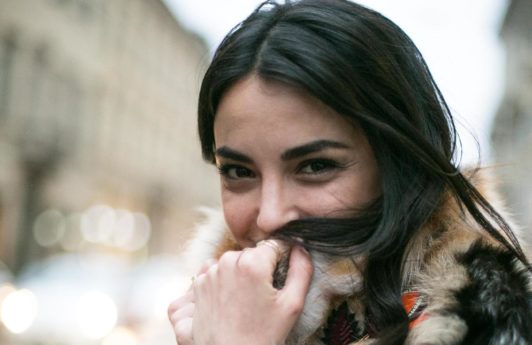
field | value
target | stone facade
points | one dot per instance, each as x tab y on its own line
97	106
512	129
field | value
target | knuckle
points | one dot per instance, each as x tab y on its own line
173	316
247	264
175	305
171	310
228	259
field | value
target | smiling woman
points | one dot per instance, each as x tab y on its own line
346	218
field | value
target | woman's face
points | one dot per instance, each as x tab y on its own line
283	155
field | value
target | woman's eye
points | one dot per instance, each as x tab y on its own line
235	172
317	166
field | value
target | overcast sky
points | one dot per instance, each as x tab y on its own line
458	38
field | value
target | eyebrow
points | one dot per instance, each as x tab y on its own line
296	152
313	146
226	152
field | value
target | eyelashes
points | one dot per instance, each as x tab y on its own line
308	169
318	166
234	171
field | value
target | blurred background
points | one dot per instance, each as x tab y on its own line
101	174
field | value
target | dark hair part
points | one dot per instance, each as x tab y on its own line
368	70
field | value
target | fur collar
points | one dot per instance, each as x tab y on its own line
440	265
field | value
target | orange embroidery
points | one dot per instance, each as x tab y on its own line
412	301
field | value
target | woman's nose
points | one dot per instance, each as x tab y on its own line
277	206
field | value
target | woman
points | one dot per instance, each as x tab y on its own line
347	219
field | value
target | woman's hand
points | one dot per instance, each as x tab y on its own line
234	303
181	311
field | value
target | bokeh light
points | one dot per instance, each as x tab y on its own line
72	239
118	228
141	235
97	315
18	310
49	228
95	223
5	290
123	228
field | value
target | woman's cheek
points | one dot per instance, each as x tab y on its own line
238	216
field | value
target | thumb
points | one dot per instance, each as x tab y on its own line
299	276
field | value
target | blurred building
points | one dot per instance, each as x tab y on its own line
98	141
512	129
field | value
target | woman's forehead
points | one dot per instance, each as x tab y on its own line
271	107
254	110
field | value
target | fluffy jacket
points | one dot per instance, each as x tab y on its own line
473	291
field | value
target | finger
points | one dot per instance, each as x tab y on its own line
200	279
299	276
273	244
258	262
187	311
188	297
204	269
263	258
183	332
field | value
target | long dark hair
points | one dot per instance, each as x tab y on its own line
368	70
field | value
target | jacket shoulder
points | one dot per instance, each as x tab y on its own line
496	301
481	295
476	291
